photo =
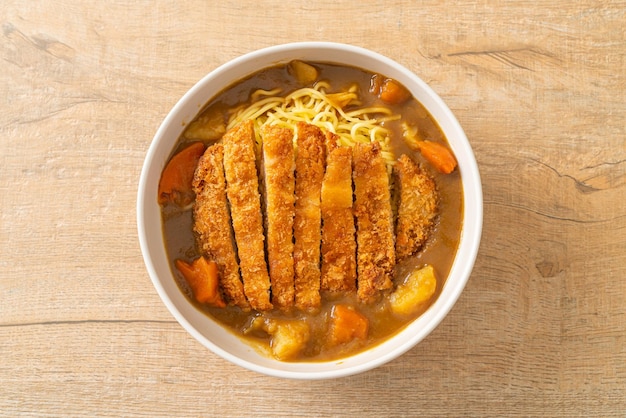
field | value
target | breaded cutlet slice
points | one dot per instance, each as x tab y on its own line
417	208
212	224
278	188
242	189
376	255
338	229
331	142
310	161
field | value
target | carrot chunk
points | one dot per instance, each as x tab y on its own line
347	324
438	155
202	277
392	92
175	184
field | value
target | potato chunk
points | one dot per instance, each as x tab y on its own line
208	127
305	73
288	337
418	288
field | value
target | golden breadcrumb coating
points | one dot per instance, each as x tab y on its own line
242	188
376	255
417	209
279	183
338	229
326	222
310	162
212	223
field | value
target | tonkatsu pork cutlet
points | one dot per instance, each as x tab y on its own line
310	159
242	189
376	256
278	181
417	209
338	230
212	223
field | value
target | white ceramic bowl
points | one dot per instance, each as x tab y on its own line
209	332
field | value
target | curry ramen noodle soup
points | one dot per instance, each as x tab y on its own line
312	209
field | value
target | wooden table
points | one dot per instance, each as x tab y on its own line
540	89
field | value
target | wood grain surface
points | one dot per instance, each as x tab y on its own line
540	89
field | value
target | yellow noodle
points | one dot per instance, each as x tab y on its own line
259	93
317	107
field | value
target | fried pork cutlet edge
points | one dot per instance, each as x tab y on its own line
418	207
278	186
376	257
310	164
211	218
242	189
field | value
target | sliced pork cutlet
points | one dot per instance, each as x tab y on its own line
310	161
417	208
279	183
242	189
338	229
212	224
376	256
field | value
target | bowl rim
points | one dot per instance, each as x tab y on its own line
470	234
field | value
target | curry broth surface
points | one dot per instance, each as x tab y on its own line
439	251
